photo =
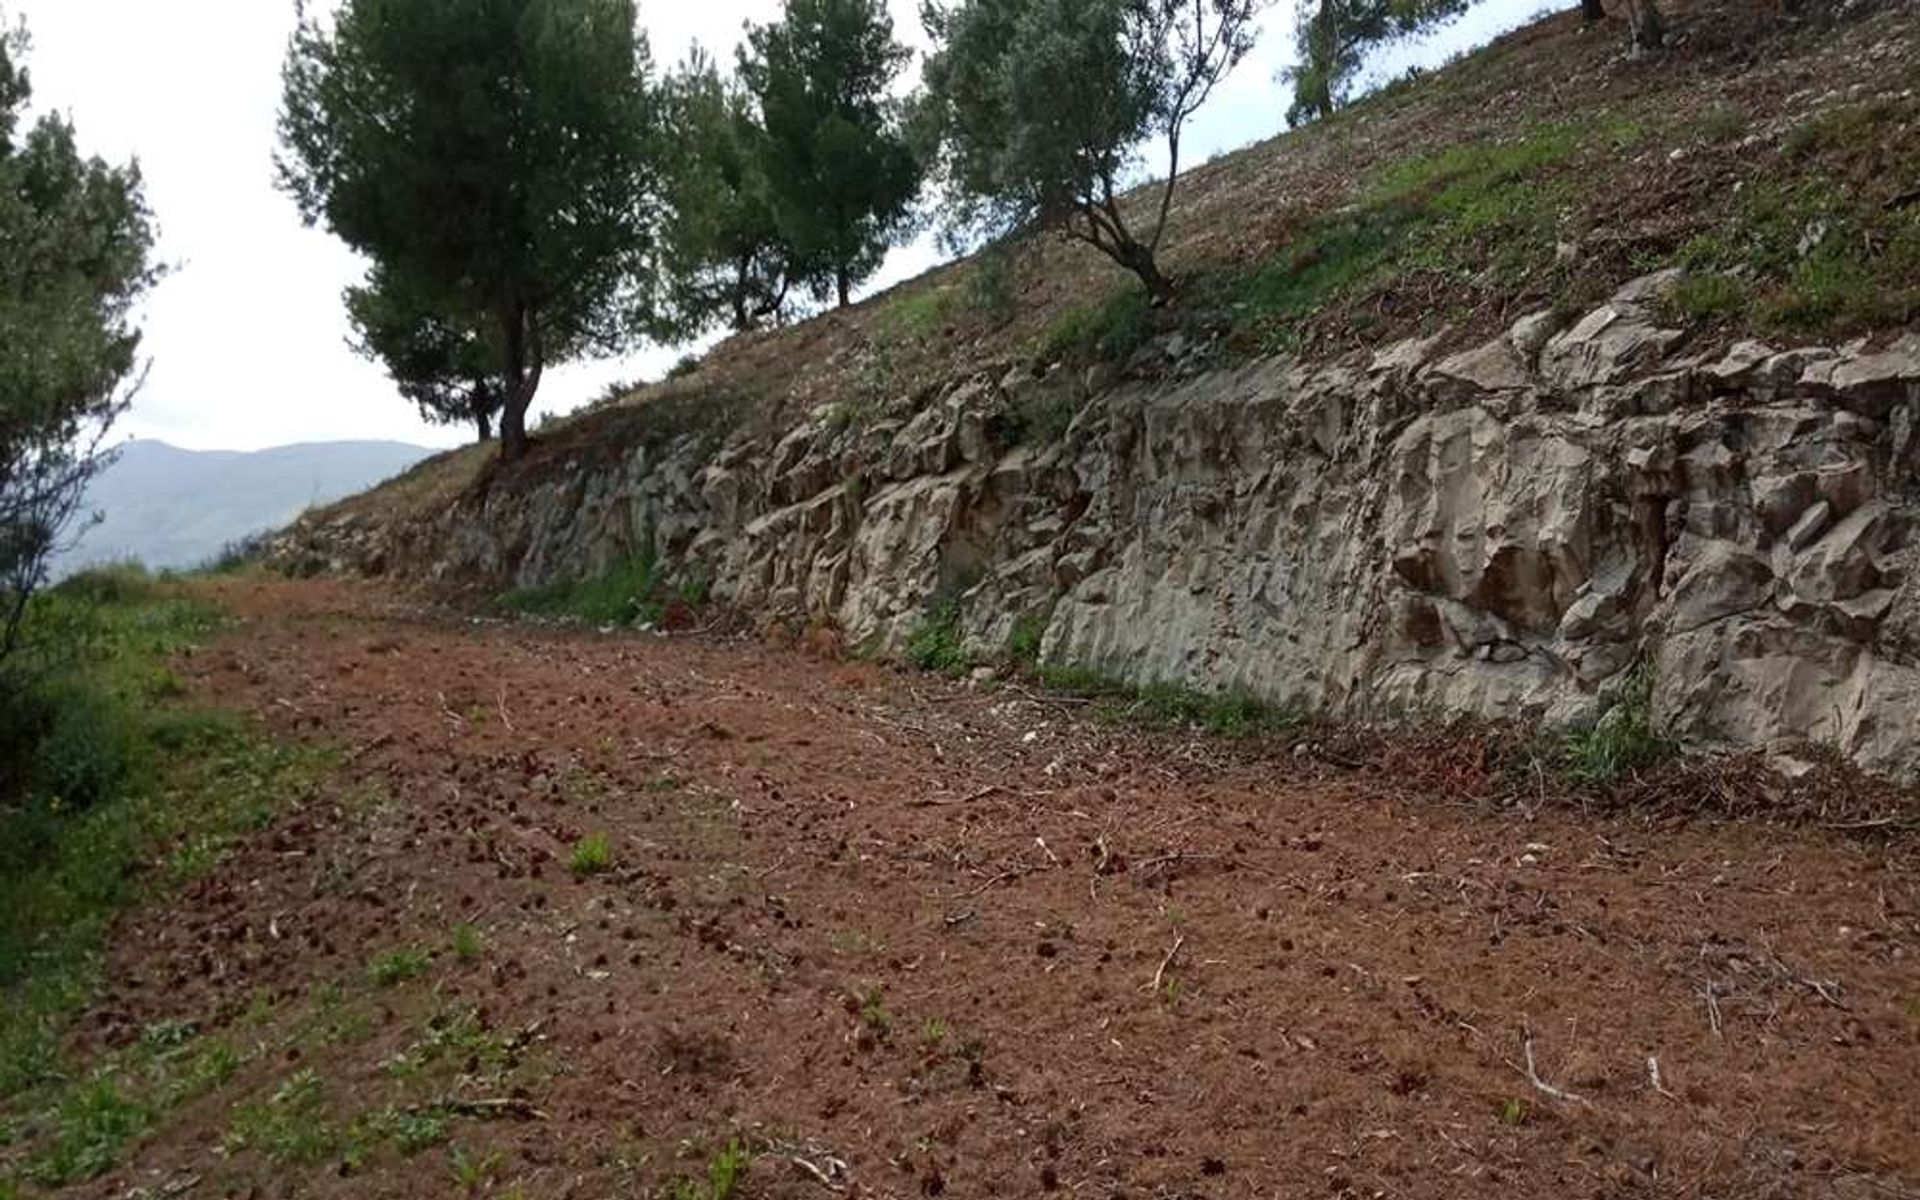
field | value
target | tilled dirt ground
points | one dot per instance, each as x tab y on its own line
904	938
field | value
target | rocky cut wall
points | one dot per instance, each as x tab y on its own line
1504	532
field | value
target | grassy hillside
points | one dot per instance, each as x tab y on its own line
1778	164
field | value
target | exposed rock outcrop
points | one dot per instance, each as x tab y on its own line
1499	532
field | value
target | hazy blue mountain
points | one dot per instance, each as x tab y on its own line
170	507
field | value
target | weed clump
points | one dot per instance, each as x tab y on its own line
1620	743
592	855
937	644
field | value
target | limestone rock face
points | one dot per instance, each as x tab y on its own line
1500	531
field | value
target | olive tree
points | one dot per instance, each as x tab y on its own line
1038	109
75	244
1332	38
499	155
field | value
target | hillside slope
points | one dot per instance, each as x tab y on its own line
169	507
1553	383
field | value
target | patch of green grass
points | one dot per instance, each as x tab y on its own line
94	1124
937	645
1708	297
1483	208
724	1173
291	1127
1820	246
627	593
1231	714
921	316
592	855
111	791
1110	330
398	966
1621	742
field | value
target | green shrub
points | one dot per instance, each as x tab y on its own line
1028	632
91	748
937	645
1622	742
1110	330
991	286
1711	296
114	584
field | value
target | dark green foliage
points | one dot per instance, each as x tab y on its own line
94	1125
1333	37
937	644
630	592
840	177
1623	741
1035	110
1706	297
723	255
75	237
1023	640
110	790
1108	331
446	362
496	159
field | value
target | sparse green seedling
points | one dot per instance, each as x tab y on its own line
466	943
873	1013
724	1174
934	1034
396	967
592	855
1515	1112
472	1171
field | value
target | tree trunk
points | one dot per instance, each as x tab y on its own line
525	360
484	424
1592	10
840	283
1140	260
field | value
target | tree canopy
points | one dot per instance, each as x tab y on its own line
1038	109
75	244
500	156
723	256
1332	38
448	365
840	176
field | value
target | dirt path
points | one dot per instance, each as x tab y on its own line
936	942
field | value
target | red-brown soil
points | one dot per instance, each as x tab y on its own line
907	933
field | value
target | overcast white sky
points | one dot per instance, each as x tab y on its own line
247	336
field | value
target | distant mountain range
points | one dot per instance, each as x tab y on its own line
170	507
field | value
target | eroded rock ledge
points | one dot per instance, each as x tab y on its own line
1503	532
